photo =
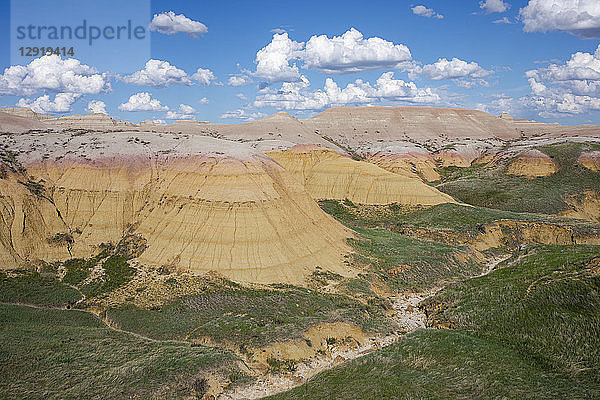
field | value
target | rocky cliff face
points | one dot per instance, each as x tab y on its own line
211	205
328	175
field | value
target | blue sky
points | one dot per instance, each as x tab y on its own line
552	90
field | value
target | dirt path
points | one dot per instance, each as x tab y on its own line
407	315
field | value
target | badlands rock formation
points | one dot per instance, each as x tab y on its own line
590	160
198	203
328	175
532	164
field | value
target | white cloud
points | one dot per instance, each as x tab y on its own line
203	76
272	61
183	112
347	53
296	96
579	17
494	6
464	73
503	20
142	102
169	24
238	80
96	107
62	103
426	12
571	88
243	115
351	52
580	74
159	121
203	100
241	96
158	73
52	73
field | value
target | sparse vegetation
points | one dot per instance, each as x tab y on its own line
491	187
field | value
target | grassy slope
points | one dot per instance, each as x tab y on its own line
62	354
252	317
37	289
423	264
507	342
547	307
491	187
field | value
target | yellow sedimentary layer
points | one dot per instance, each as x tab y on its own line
421	164
584	206
247	219
590	160
532	164
328	175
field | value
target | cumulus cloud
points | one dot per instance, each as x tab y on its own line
96	107
494	6
579	17
243	115
142	101
571	88
350	52
451	69
203	76
238	80
241	96
169	23
62	103
158	73
426	12
183	112
203	100
51	72
273	60
296	96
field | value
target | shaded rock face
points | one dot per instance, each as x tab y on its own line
421	163
590	160
532	164
225	208
328	175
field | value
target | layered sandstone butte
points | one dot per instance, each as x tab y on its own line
532	164
590	160
12	123
419	162
199	204
329	175
352	125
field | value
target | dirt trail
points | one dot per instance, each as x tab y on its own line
407	315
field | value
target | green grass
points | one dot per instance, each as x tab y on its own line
525	331
28	287
253	317
491	187
446	217
402	262
423	264
440	364
60	354
546	307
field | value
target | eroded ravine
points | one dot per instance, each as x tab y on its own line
408	317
